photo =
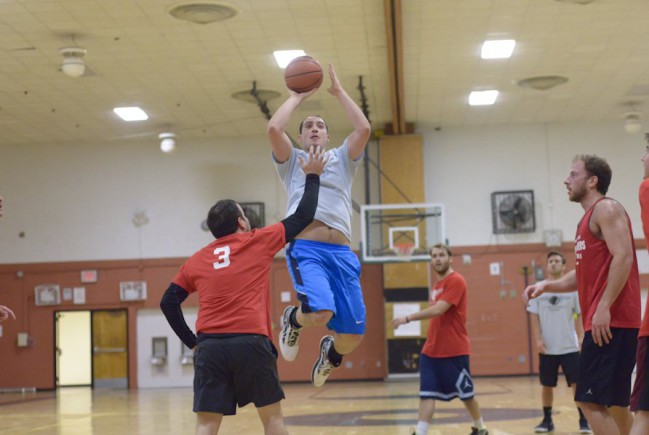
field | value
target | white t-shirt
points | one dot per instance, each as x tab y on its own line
335	197
556	314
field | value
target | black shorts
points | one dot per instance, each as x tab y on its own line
640	395
235	370
605	372
549	368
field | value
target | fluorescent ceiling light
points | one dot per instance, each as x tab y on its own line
498	49
131	113
283	57
483	98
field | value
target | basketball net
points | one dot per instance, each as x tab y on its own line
403	250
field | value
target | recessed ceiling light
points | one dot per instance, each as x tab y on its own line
483	98
284	57
131	113
498	49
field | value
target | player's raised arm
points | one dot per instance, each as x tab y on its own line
276	130
357	140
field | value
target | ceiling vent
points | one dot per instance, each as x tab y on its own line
202	12
542	83
579	2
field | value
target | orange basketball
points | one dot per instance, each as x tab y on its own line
303	74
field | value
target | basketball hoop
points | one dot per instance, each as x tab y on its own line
403	250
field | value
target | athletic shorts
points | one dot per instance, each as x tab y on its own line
235	370
445	378
605	372
327	277
549	368
640	395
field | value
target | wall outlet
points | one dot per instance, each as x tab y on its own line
23	339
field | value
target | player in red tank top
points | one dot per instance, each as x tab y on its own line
606	277
640	395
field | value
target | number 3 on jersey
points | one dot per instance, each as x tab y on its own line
222	257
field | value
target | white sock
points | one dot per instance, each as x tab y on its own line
479	424
422	428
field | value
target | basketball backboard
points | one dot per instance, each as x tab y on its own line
400	232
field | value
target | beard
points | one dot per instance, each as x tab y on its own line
577	195
442	268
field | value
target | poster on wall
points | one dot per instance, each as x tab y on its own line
412	329
47	294
79	295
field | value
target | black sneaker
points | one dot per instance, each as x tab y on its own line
544	426
322	367
584	427
288	338
476	431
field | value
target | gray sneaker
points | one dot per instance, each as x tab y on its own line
322	367
288	338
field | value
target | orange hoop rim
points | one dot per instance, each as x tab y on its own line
403	249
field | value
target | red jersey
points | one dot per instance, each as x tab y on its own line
447	334
231	276
593	260
644	215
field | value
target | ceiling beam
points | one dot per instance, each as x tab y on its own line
393	20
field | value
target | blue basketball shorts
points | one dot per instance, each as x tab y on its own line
327	277
445	378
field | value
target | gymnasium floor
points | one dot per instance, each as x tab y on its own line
510	405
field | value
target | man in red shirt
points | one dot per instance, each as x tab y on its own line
235	361
606	276
640	395
444	363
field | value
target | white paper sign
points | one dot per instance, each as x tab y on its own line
412	329
79	295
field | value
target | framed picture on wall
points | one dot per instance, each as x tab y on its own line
47	294
132	291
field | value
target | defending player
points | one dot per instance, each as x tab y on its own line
235	361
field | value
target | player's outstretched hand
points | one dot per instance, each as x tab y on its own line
398	321
533	291
317	161
335	83
6	313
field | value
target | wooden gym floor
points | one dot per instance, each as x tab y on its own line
510	405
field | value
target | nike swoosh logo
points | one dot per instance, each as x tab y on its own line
358	322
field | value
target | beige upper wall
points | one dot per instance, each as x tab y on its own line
76	202
464	165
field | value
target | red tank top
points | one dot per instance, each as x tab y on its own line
593	260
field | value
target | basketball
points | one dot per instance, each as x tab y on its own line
303	74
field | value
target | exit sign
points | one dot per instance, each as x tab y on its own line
88	276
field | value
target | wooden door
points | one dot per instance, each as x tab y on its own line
110	349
